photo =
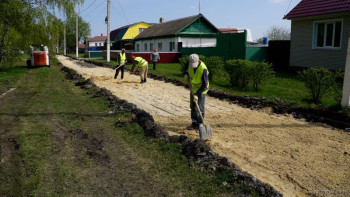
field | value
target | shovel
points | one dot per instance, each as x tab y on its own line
204	129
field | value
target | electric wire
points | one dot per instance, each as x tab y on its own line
88	6
123	12
91	12
288	7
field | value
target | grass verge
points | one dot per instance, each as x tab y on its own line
57	139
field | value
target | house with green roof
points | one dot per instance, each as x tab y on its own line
172	36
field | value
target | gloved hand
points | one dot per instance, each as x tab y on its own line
186	77
195	98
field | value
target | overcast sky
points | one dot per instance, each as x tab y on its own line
257	15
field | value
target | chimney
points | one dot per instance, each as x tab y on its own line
101	34
161	20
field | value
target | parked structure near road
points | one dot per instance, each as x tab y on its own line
320	32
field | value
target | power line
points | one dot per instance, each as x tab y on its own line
95	8
288	7
123	11
88	7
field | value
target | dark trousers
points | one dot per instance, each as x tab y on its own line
117	72
196	119
154	65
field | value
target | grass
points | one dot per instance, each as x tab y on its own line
43	153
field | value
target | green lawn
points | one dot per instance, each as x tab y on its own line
58	140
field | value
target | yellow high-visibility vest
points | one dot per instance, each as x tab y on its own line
141	62
196	78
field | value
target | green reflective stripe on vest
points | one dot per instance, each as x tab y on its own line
196	78
141	62
122	58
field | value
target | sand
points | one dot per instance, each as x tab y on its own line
295	157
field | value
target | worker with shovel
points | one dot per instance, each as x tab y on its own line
121	64
140	64
196	74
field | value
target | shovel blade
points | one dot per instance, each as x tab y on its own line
204	131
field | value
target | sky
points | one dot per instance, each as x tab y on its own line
256	15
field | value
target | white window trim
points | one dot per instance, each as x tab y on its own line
314	35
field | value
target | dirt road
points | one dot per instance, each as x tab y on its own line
295	157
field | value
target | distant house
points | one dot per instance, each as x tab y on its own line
97	42
122	37
319	33
170	37
95	46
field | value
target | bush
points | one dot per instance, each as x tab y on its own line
318	81
184	60
259	73
238	72
214	65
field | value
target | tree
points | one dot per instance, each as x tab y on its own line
84	30
30	21
277	33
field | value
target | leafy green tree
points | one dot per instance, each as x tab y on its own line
31	21
83	28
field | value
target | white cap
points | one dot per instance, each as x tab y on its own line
193	60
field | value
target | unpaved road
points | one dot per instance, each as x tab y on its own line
295	157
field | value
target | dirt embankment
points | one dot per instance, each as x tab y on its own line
295	157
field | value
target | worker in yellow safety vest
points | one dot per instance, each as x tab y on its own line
142	65
196	73
121	64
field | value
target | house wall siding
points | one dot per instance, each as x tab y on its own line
302	52
165	44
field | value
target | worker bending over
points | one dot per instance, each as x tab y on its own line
196	73
142	65
121	64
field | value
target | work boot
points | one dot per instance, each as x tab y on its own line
193	126
145	80
142	81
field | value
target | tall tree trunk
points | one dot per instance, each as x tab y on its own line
3	38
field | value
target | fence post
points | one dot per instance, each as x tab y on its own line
346	86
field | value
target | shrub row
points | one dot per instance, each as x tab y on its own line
238	72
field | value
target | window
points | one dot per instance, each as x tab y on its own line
137	47
145	47
172	46
160	46
141	30
150	46
96	44
99	44
327	34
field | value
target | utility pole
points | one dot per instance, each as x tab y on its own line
346	86
76	36
64	40
108	26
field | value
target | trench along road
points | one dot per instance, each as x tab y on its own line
295	157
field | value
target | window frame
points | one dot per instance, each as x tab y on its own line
160	46
145	46
325	34
171	46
